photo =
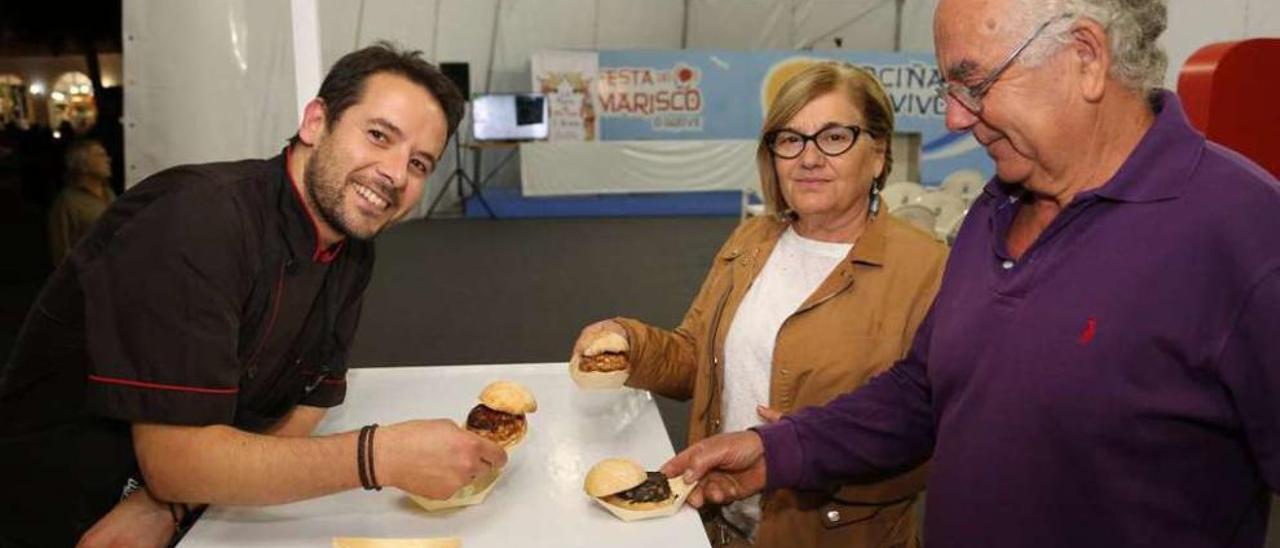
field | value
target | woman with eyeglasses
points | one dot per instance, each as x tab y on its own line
800	306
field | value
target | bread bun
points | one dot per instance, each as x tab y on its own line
500	427
609	348
597	380
638	506
515	441
508	397
609	342
612	476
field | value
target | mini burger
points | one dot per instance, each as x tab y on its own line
500	415
624	488
603	363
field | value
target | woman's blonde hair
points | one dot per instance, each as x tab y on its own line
817	80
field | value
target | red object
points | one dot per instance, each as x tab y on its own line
1229	89
1090	330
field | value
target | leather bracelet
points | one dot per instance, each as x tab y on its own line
360	457
373	478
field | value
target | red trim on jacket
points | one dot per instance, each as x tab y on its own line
159	386
328	255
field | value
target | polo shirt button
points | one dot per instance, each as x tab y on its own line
1006	265
833	516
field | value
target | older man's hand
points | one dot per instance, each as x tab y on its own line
433	458
728	467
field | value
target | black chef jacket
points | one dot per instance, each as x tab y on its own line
201	297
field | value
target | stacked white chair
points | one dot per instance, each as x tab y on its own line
918	215
948	210
965	183
939	210
900	193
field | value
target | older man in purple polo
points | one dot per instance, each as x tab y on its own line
1102	364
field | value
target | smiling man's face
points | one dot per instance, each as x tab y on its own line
370	166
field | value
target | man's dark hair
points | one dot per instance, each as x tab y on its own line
344	84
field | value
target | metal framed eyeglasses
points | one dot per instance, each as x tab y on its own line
832	141
970	97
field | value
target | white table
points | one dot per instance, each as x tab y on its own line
538	501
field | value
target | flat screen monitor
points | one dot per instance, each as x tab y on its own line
509	117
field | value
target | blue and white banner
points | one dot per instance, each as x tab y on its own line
712	95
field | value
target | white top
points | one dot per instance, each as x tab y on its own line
537	502
792	273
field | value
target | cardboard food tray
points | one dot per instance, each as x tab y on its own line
470	495
357	542
678	488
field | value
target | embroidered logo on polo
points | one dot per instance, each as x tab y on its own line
1089	332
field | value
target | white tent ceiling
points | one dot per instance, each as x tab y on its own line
214	79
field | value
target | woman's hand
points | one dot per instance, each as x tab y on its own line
582	347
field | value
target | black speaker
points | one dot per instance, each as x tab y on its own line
460	74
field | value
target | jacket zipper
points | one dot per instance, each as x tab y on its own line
848	282
715	355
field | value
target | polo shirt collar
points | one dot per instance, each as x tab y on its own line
1159	168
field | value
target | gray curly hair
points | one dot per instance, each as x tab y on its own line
1133	26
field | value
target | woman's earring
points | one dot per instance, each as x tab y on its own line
875	199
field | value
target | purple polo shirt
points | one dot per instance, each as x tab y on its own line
1119	385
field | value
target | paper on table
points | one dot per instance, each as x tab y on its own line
353	542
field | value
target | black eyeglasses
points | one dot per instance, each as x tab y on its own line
832	141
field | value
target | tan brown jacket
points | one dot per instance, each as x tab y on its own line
857	323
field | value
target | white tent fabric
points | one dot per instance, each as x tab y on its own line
307	71
213	79
208	80
225	112
578	168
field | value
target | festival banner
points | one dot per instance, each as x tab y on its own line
715	95
567	79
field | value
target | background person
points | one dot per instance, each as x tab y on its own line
85	197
